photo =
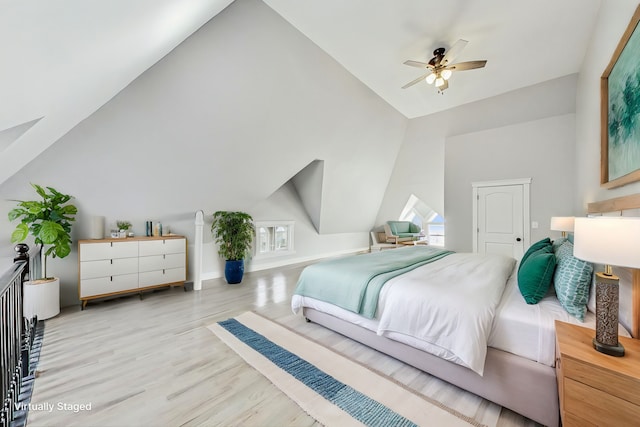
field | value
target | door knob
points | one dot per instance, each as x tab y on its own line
518	239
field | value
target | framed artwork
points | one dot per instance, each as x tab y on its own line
620	111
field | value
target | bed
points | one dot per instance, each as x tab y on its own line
514	365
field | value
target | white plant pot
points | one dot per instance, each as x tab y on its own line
41	298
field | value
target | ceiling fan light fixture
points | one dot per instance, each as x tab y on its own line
440	68
430	78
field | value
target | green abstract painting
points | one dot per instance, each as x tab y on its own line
624	111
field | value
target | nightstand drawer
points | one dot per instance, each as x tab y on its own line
571	420
611	382
610	410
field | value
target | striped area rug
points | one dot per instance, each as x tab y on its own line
334	390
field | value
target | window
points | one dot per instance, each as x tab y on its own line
435	231
274	238
431	222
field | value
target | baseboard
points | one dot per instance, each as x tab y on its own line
208	275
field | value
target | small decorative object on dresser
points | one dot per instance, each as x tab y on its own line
595	389
97	227
112	267
123	228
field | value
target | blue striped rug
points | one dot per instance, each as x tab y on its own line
253	336
356	404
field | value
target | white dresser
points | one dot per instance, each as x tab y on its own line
117	266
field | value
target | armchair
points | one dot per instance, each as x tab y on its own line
401	231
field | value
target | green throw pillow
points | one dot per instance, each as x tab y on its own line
572	280
536	275
533	248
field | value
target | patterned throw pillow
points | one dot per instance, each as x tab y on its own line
565	249
557	243
572	280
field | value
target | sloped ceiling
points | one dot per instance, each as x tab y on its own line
67	58
72	60
62	60
201	129
525	43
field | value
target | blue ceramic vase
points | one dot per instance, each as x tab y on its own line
233	271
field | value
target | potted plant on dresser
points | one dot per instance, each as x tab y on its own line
233	232
48	220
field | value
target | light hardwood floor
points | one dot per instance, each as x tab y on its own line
153	362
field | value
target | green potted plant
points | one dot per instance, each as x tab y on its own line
48	220
233	232
123	227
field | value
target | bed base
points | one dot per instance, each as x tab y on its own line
522	385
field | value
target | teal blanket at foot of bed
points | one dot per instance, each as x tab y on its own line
354	282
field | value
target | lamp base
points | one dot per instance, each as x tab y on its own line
611	350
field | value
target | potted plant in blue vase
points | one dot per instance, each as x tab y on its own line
233	232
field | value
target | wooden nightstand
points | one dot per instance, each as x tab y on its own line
596	389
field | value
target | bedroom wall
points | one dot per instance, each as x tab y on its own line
222	123
542	150
420	166
612	22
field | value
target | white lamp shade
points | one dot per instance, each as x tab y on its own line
608	240
562	223
431	78
446	74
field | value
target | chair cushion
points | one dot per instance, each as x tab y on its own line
403	228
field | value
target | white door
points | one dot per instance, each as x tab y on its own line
501	213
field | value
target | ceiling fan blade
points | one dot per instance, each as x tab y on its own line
469	65
418	80
453	52
417	64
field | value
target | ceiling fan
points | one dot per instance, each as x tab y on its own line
440	66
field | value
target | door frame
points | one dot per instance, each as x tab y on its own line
526	206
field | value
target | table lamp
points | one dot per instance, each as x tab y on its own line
562	223
609	241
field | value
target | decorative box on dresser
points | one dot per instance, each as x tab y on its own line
594	388
117	266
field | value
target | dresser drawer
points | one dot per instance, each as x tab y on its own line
160	247
108	285
580	399
108	267
162	262
159	277
108	250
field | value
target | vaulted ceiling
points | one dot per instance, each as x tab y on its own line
63	60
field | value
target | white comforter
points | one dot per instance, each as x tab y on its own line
448	306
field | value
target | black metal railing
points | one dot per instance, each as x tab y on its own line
16	332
